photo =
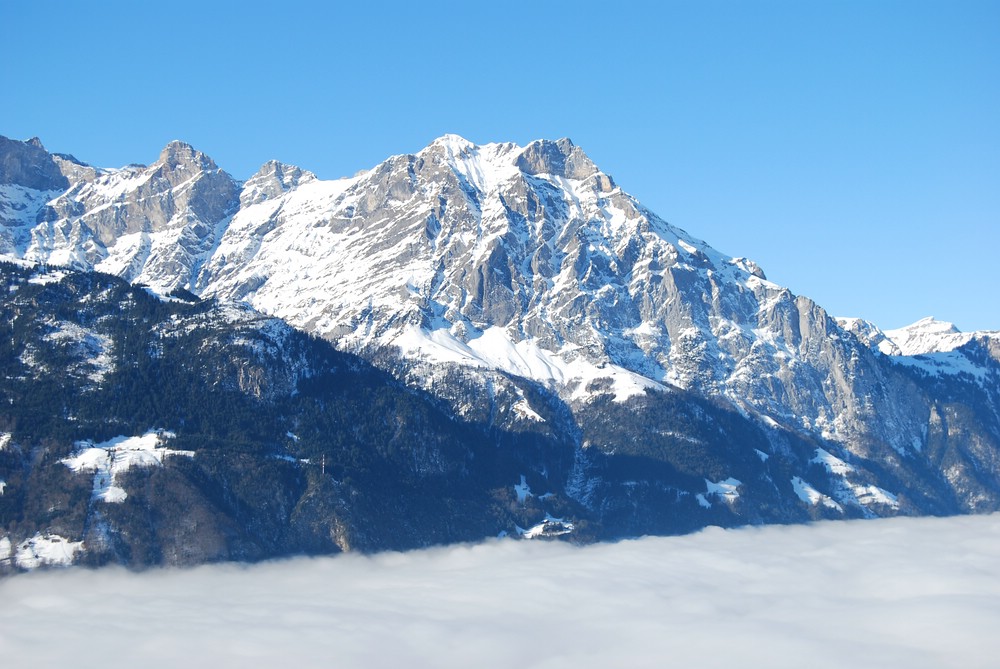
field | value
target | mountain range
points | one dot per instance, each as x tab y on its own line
550	358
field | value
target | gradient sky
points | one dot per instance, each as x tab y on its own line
851	148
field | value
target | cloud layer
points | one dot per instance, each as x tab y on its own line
900	592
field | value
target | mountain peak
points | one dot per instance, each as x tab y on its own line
28	164
931	324
559	158
177	154
928	335
271	180
454	142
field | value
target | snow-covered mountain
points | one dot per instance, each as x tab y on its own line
526	259
462	268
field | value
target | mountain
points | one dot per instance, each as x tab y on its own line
141	430
510	285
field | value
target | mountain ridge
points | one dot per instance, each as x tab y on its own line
568	277
515	284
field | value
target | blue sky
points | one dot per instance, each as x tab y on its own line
851	148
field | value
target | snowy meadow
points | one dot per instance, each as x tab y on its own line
900	592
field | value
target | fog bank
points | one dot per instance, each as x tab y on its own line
899	592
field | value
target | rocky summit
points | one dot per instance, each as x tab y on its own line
641	381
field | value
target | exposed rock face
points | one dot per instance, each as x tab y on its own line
483	264
28	164
29	176
152	224
273	180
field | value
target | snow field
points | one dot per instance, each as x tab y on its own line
110	459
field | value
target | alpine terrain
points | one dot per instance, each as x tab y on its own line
466	342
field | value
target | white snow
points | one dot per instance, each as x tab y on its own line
19	205
951	363
524	410
522	490
871	494
726	490
933	347
6	549
703	501
53	276
550	527
48	549
833	464
112	184
109	459
846	491
494	349
3	486
5	440
811	496
928	335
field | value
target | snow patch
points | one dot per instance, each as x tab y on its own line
951	363
550	527
928	335
522	490
524	410
726	490
110	459
54	276
872	494
50	549
833	464
811	496
845	491
494	349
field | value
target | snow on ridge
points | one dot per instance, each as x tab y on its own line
930	345
938	363
494	349
928	335
110	459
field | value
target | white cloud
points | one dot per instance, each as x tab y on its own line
901	592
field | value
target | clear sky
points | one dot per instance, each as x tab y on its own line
851	148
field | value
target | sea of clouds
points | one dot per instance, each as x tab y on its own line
888	593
